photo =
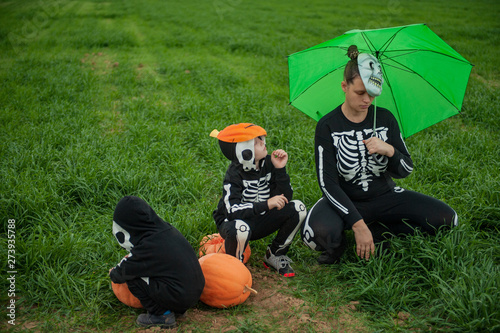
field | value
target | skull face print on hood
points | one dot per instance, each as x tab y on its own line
237	143
133	220
157	249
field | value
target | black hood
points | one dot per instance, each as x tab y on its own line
133	220
241	152
158	251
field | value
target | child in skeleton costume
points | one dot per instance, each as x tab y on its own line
355	164
162	269
257	196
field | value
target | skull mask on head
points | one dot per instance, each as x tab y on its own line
371	74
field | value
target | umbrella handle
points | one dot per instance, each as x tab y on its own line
374	133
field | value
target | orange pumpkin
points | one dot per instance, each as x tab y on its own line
125	296
228	281
214	243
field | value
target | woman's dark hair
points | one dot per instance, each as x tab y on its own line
351	70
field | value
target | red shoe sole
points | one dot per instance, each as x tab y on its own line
285	275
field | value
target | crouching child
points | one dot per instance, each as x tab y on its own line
162	269
256	196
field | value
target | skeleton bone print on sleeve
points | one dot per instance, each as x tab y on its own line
354	163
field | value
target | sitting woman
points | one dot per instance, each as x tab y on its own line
355	164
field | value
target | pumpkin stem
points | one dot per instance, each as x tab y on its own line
247	288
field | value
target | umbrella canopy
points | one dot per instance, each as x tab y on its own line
424	78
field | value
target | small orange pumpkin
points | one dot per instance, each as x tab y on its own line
228	282
214	243
125	296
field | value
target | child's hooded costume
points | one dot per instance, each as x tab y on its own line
242	213
162	270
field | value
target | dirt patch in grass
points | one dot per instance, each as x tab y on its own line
272	309
100	63
493	84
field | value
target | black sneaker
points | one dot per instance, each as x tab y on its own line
279	263
162	321
332	257
327	259
179	315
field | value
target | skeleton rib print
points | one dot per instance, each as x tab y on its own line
254	191
354	163
257	190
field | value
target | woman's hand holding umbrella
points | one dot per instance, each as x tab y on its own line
377	146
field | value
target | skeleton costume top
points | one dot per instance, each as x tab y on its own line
159	255
346	171
246	189
359	186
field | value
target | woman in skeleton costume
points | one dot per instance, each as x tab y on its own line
257	196
355	164
162	269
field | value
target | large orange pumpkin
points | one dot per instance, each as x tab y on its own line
125	296
228	281
214	243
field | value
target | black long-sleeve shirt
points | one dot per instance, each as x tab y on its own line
346	171
245	193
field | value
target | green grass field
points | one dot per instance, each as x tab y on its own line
105	99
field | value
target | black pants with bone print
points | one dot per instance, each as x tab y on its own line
396	213
287	221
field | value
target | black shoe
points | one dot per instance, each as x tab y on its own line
332	256
162	321
326	259
179	315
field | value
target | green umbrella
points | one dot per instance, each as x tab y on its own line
424	78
